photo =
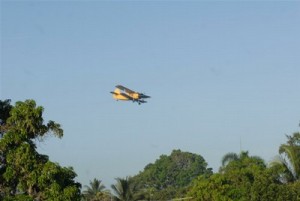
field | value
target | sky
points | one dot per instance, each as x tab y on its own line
222	76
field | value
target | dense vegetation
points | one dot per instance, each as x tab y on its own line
170	175
244	178
27	175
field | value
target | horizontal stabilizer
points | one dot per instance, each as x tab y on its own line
144	96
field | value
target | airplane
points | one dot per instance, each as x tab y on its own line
125	94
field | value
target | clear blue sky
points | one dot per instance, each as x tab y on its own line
222	76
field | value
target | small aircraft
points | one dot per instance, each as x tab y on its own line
125	94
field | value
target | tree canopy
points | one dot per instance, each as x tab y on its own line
123	189
246	178
24	172
28	175
288	162
169	175
96	191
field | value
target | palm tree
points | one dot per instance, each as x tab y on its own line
230	157
123	189
95	191
288	162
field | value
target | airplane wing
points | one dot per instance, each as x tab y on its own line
125	89
125	95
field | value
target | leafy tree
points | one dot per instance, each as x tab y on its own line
123	189
96	191
5	108
288	163
170	175
229	157
24	172
245	179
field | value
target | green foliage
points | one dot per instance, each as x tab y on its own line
288	163
123	189
216	187
5	109
26	174
170	175
58	182
26	120
295	188
237	158
96	191
18	198
247	178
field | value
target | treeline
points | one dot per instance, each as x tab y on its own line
27	175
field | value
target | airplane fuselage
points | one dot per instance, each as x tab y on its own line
117	95
125	94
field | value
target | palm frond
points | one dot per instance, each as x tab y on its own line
282	166
93	189
229	157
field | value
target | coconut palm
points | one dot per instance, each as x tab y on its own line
288	162
94	191
230	157
122	189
